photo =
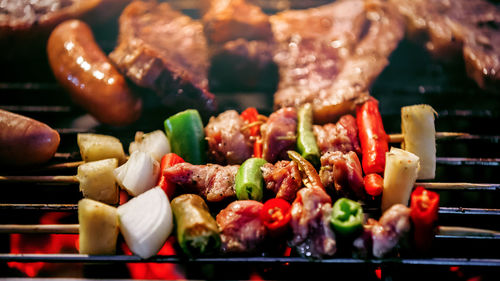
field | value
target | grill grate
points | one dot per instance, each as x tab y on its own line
413	77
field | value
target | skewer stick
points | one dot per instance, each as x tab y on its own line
394	138
40	179
456	231
467	231
40	228
458	186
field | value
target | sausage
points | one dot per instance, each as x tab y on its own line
25	141
83	69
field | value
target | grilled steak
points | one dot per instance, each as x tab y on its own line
468	28
213	182
312	234
278	134
165	51
227	142
331	54
342	173
241	43
342	136
227	20
242	230
283	179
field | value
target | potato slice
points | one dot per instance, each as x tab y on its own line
95	147
98	227
401	168
97	180
419	132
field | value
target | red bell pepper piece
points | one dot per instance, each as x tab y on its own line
374	184
374	141
424	214
251	115
168	160
276	216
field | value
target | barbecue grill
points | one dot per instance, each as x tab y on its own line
412	77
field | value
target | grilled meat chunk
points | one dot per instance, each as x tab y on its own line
312	234
240	33
330	55
278	134
165	51
342	173
342	136
227	20
386	233
213	182
242	230
243	64
283	179
468	28
227	141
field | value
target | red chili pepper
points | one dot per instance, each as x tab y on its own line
374	184
168	160
251	115
374	141
424	214
276	215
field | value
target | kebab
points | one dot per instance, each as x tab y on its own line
313	181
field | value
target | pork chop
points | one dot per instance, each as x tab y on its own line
468	28
164	50
330	55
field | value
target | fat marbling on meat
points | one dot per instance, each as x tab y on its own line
279	134
341	174
283	179
342	136
213	182
165	51
227	141
312	234
241	229
459	28
330	55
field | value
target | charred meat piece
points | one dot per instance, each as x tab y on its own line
330	55
242	230
227	20
278	134
312	234
342	136
342	173
227	141
243	64
468	28
241	44
283	179
165	51
213	182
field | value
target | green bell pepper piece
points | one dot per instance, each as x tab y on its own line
347	217
249	183
187	136
306	142
197	231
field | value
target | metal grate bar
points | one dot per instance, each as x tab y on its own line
253	260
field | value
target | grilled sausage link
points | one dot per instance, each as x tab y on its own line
83	69
25	141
